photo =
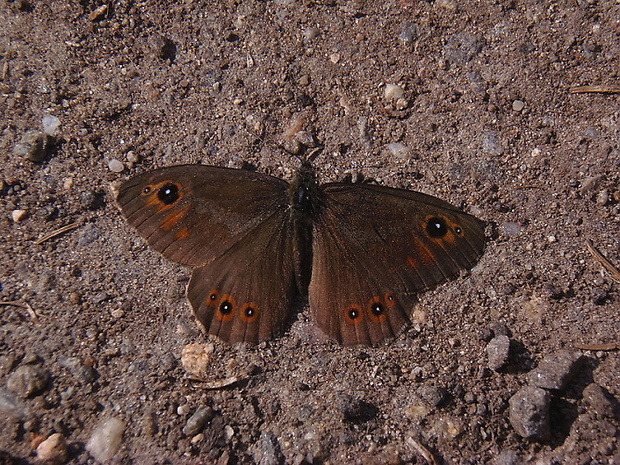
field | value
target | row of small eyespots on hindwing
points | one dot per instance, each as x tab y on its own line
376	309
226	307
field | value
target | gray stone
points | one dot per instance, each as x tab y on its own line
491	143
267	450
599	400
34	146
498	351
11	405
431	396
28	380
196	423
555	371
529	413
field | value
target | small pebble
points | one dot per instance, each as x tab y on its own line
399	150
510	228
117	313
196	423
198	438
518	105
34	146
498	352
602	197
600	400
98	13
305	138
555	371
589	184
393	92
53	450
529	413
11	406
18	215
106	439
408	35
116	166
183	409
310	34
401	104
196	357
50	124
267	450
229	432
491	143
334	58
431	396
28	380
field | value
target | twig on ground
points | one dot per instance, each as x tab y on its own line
57	232
602	89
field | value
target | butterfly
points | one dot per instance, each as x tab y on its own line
361	252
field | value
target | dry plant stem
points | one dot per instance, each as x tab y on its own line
615	273
57	232
603	346
423	451
219	383
602	89
26	305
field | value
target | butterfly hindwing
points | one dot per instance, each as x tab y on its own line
246	294
375	249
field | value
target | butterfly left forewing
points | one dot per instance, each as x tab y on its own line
375	249
194	213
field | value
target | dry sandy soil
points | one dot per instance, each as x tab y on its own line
486	121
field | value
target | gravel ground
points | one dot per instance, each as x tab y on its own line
474	102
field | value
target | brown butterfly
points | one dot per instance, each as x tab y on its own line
363	252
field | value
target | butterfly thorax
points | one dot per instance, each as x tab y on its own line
305	194
306	204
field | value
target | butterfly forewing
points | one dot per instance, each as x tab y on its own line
375	248
193	213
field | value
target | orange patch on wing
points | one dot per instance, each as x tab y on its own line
450	238
174	218
182	233
422	254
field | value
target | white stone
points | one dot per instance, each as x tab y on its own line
106	439
116	166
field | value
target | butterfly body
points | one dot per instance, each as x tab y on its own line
362	252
